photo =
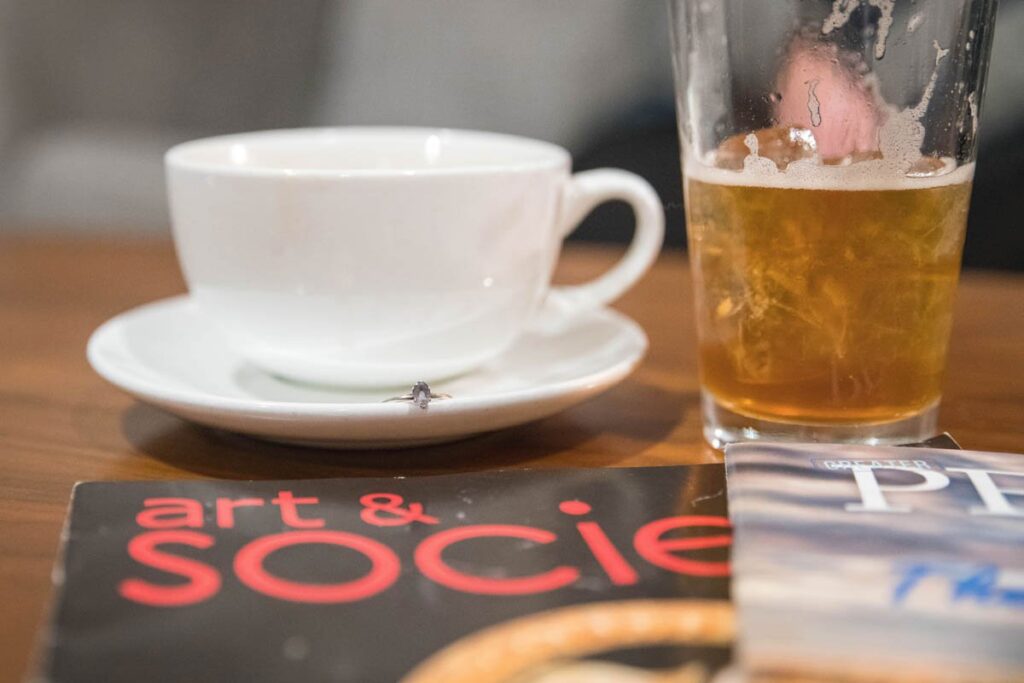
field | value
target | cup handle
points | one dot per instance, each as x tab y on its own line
584	192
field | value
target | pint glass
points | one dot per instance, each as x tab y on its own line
828	149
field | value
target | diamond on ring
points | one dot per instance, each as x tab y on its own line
420	395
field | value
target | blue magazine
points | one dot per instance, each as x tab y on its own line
875	564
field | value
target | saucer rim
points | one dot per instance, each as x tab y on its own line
153	392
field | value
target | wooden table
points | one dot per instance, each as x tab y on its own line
60	423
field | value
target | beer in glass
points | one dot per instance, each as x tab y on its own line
828	153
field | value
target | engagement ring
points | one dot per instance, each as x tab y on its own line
420	394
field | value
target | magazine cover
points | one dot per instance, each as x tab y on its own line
864	563
525	576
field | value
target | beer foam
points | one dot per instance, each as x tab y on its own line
843	9
899	144
894	160
808	174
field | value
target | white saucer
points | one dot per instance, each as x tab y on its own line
167	354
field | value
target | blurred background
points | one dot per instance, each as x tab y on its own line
92	92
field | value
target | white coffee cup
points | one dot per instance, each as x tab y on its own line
383	256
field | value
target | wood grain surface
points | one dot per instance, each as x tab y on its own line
60	423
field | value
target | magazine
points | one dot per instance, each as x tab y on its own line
864	563
526	576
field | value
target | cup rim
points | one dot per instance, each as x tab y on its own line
547	155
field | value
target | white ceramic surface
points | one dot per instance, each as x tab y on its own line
371	256
168	354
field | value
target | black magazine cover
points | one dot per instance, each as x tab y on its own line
554	575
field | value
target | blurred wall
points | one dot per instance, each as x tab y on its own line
561	70
93	91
